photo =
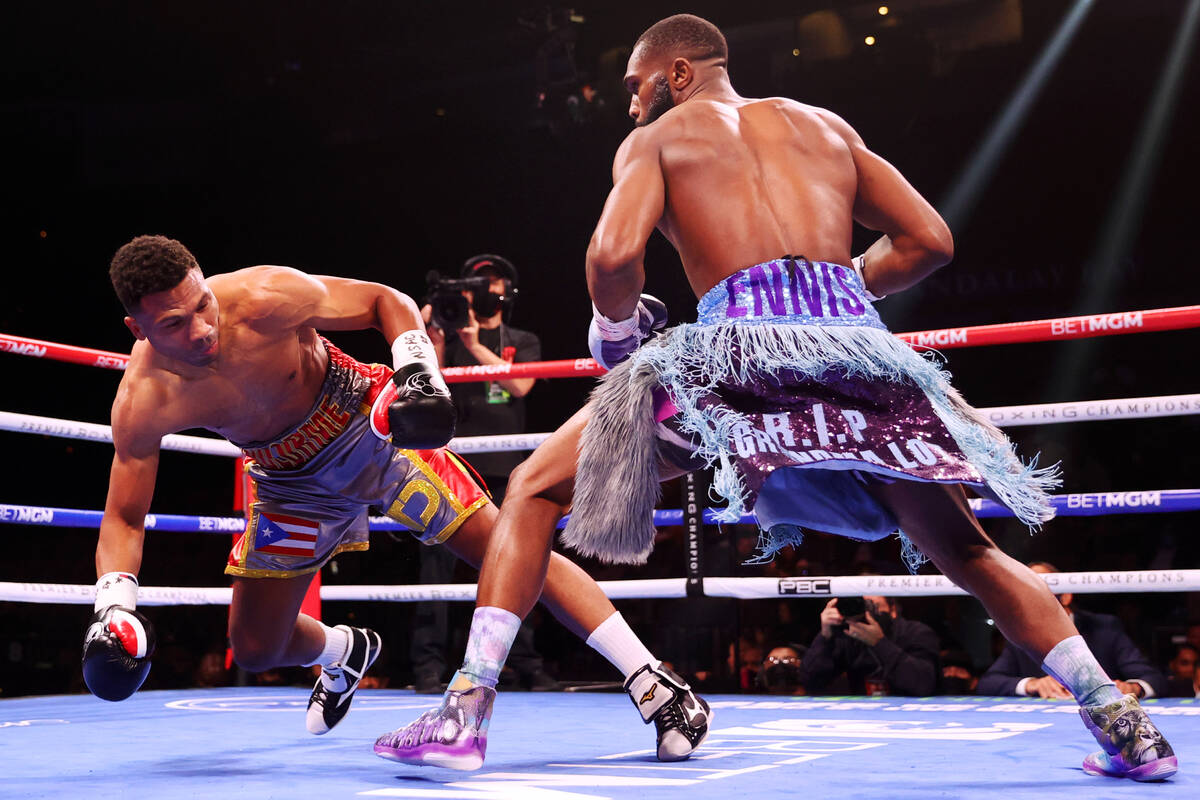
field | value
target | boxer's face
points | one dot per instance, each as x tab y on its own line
180	323
647	82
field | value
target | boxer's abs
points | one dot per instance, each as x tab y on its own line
272	396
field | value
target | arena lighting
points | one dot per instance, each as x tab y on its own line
883	10
870	40
1125	214
956	207
968	186
1124	217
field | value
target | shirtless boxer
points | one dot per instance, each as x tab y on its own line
239	354
812	414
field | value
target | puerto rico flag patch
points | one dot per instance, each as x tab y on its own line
285	536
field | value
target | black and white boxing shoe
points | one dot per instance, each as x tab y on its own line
334	690
680	717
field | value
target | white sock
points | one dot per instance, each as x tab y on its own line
1072	664
617	642
337	643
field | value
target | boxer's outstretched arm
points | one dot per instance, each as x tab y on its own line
635	205
916	239
292	299
130	483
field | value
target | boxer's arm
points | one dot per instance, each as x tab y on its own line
635	205
916	240
289	298
130	486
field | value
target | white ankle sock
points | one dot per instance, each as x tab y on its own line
1072	664
337	642
617	642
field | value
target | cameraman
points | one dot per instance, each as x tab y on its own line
484	409
491	407
879	651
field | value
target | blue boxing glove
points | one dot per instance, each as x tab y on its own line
119	641
414	410
611	342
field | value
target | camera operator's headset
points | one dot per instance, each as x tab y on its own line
502	267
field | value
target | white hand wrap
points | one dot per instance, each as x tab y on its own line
116	589
617	330
414	347
859	263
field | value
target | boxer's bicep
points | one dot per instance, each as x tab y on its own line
347	304
290	299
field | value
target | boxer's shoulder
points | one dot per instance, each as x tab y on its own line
265	297
145	406
252	291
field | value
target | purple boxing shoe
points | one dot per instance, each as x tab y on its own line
1133	747
452	736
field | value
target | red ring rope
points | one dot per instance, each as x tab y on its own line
1042	330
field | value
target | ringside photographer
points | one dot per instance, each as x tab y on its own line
880	652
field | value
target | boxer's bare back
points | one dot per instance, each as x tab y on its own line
734	181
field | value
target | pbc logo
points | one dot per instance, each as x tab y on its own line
804	585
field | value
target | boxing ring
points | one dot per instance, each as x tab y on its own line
250	741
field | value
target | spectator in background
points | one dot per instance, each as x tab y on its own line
1183	679
1193	635
879	651
959	675
1015	673
484	408
780	671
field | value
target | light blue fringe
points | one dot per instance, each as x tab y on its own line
691	360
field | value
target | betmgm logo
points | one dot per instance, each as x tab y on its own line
804	585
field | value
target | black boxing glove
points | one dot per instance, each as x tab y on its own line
119	641
414	410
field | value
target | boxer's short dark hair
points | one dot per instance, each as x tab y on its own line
147	265
685	35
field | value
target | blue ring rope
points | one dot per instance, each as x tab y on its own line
1091	504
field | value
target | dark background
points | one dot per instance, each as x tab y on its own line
380	140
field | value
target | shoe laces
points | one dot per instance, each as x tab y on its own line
319	694
671	716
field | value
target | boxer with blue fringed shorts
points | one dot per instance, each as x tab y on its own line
788	384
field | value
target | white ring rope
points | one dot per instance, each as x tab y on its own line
1175	405
1112	581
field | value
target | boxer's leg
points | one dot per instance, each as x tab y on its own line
518	566
266	627
539	494
568	592
939	521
